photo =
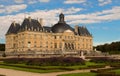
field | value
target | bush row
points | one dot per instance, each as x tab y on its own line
53	61
104	60
102	70
39	68
107	74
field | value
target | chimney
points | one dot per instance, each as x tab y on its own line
29	19
41	21
76	29
14	23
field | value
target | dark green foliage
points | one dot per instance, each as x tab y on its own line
107	74
2	47
96	66
114	47
104	60
53	61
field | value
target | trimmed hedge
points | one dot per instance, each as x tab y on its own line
53	61
104	72
107	74
39	68
104	60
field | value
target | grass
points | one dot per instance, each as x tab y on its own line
31	70
46	69
79	74
117	71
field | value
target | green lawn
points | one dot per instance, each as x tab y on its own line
31	70
87	74
117	71
79	74
46	69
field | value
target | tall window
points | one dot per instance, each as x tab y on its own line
60	45
55	45
55	37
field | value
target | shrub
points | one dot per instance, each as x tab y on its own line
107	74
104	60
53	61
96	66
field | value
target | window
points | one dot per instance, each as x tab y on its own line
55	45
55	37
29	42
60	45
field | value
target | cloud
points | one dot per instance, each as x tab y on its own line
36	1
104	2
74	1
13	8
72	10
1	6
18	1
45	1
32	1
105	15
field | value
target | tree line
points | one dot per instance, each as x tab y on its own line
2	47
113	47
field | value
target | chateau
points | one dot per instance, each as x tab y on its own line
33	36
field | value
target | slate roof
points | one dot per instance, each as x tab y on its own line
34	25
83	31
61	27
30	24
14	28
46	28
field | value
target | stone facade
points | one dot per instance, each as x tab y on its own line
31	35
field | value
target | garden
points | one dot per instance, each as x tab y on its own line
113	71
46	65
59	64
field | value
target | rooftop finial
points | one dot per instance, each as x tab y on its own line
29	18
61	18
41	21
14	23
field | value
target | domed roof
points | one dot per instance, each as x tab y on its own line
61	26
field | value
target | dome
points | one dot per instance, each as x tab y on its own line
61	26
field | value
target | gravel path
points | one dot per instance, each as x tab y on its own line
11	72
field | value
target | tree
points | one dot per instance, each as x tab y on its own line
113	47
2	47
